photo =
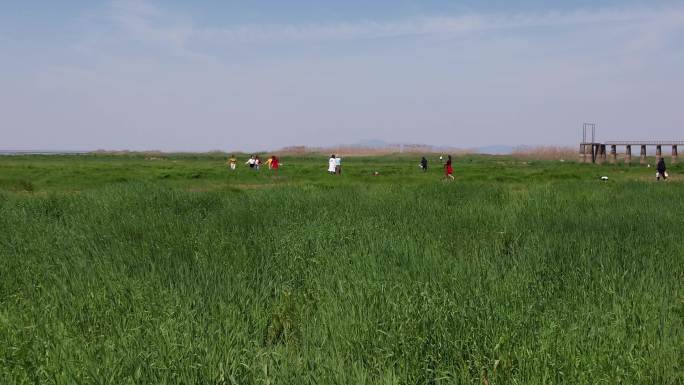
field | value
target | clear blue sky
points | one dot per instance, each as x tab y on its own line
178	75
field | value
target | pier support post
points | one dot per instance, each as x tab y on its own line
659	153
643	154
613	154
585	153
601	153
581	153
628	154
588	153
675	155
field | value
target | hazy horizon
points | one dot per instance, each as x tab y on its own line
251	75
363	144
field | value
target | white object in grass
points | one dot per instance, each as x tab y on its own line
604	178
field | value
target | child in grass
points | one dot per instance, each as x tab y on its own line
332	164
251	162
338	165
424	164
662	170
448	169
232	162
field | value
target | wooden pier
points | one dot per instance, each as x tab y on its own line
594	152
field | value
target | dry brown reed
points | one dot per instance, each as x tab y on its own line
546	152
350	150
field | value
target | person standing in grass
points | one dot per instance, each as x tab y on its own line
275	163
232	162
269	162
332	165
448	169
338	165
424	164
662	169
251	162
257	162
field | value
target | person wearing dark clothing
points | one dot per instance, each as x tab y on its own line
424	164
661	169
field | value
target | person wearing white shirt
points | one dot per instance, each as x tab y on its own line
338	165
251	162
332	164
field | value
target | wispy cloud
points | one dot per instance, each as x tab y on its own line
439	26
146	23
138	22
146	76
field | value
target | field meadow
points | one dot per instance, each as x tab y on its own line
132	269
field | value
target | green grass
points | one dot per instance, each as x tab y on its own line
121	270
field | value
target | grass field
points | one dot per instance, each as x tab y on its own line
125	270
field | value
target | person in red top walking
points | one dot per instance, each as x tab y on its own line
275	162
448	169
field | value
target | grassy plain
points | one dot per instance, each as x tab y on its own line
126	270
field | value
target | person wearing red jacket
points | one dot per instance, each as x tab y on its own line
448	169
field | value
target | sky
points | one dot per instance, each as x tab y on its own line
248	75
